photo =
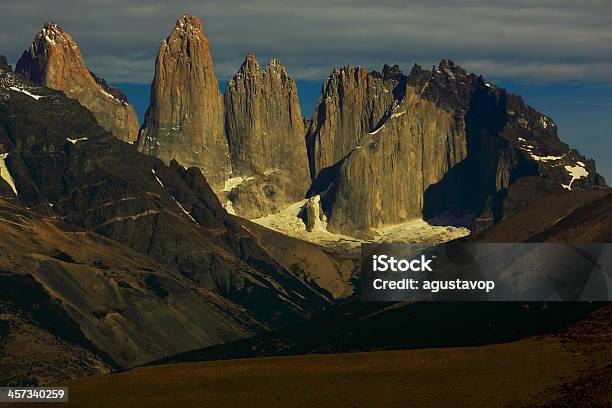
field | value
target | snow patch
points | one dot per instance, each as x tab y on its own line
111	96
23	91
157	178
414	231
581	164
183	209
576	172
377	130
174	198
73	141
5	174
545	158
234	182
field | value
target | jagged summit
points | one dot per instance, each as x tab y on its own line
47	44
54	33
251	66
275	63
189	23
250	59
55	61
188	29
391	72
51	30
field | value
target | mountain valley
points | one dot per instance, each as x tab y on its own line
229	225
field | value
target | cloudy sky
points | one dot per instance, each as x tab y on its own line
557	53
527	39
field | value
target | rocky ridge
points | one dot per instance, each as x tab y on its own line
78	177
78	293
435	144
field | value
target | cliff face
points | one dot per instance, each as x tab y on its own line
353	102
382	180
447	144
265	132
54	60
185	118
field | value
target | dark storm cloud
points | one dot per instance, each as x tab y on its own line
541	40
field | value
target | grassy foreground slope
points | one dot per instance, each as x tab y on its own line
570	369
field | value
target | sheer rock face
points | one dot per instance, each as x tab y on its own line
352	103
185	118
445	143
265	131
54	60
383	179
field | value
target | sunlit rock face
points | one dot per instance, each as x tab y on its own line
353	102
387	147
55	61
185	119
265	132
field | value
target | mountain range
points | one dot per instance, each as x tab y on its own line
430	143
122	244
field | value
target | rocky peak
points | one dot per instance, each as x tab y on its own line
189	25
448	85
185	117
42	64
187	31
250	68
54	60
392	73
265	131
250	64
